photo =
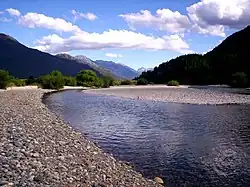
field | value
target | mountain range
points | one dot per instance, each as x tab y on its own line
22	62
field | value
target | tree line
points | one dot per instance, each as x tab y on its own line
195	69
56	80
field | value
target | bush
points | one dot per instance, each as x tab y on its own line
31	81
107	81
70	81
4	79
88	78
173	83
18	82
54	80
239	80
142	81
127	82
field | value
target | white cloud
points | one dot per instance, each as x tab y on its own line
214	16
5	20
121	39
35	20
1	12
78	15
113	55
13	12
165	20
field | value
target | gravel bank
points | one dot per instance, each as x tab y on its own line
39	149
183	94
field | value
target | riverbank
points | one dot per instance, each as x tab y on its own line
37	148
182	94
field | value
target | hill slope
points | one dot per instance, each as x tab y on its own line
85	60
22	61
215	67
118	69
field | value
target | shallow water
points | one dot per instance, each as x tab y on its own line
192	145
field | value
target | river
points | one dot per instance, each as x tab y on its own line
185	144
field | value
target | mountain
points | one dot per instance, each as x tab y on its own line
23	62
215	67
85	60
118	69
142	69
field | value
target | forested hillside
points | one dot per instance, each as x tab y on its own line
228	63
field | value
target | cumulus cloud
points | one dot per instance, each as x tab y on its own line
165	20
121	39
35	20
214	16
113	55
13	12
78	15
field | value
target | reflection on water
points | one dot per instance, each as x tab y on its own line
192	145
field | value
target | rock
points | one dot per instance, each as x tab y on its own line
159	180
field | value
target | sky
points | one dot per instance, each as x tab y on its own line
137	33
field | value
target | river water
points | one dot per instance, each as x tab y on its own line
185	144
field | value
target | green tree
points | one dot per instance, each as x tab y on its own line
239	80
4	79
127	82
142	81
107	81
54	80
88	78
70	81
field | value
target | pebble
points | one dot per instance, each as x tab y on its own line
40	149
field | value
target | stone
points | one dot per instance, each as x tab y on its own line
159	180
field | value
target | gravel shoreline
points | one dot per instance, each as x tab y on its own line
183	94
37	148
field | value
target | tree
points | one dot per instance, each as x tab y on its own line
70	81
54	80
142	81
239	80
88	78
4	79
107	81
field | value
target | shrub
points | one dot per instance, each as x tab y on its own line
142	81
18	82
31	81
54	80
4	79
173	83
70	81
107	81
127	82
239	80
88	78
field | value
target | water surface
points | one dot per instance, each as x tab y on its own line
192	145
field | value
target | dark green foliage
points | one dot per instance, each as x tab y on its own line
215	67
31	81
88	78
18	82
239	80
173	83
142	81
70	81
54	80
107	81
4	79
127	82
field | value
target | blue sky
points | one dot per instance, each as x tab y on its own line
138	33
